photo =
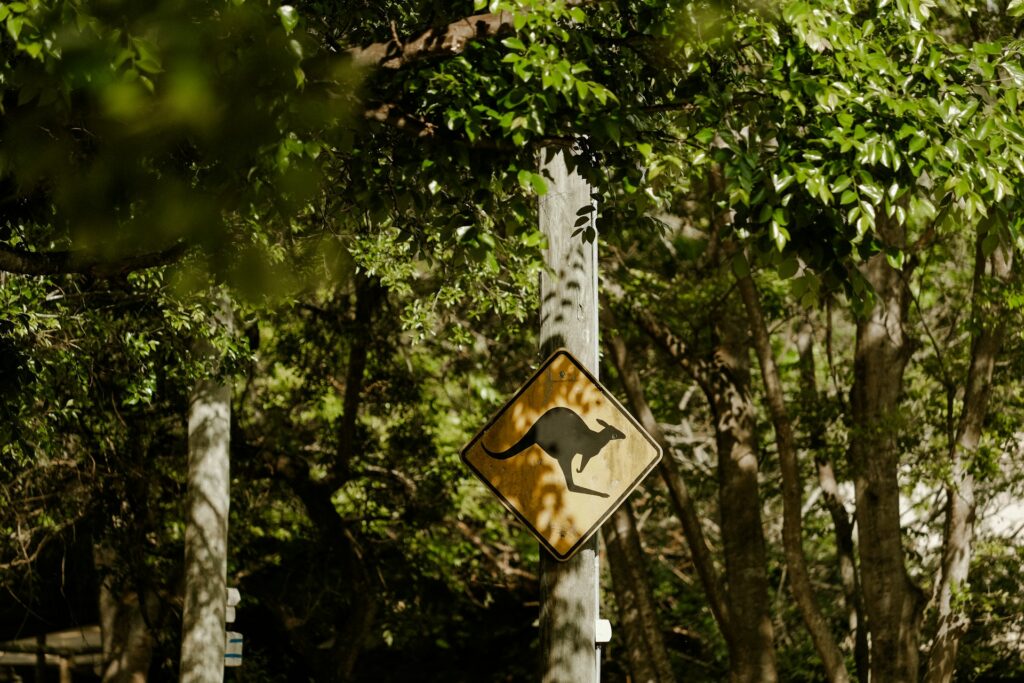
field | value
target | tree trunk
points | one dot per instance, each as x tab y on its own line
125	618
990	323
892	602
679	493
726	383
792	491
568	590
753	654
206	527
337	661
648	658
833	502
355	626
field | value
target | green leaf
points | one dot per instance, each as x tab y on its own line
524	178
514	43
705	136
873	192
779	235
740	267
148	65
782	182
864	224
14	25
611	127
787	267
289	17
989	244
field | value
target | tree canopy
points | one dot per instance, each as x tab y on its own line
808	223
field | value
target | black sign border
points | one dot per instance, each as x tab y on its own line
613	507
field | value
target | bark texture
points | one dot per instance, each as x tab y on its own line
961	504
725	380
841	522
892	602
792	491
645	646
125	619
568	289
442	41
679	493
206	533
739	501
206	527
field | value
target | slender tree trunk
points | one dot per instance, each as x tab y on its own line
354	625
990	323
792	491
569	605
833	502
368	293
679	493
892	602
753	654
645	646
726	383
206	527
125	618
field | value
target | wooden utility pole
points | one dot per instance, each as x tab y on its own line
206	525
568	290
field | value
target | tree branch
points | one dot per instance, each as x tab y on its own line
989	316
833	500
675	347
443	41
792	489
679	492
391	115
84	263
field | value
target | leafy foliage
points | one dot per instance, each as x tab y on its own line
376	226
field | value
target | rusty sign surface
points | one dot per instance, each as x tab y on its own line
562	454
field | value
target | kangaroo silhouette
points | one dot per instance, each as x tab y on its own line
561	433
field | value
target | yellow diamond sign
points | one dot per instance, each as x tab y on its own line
562	454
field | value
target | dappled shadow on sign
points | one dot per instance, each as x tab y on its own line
591	445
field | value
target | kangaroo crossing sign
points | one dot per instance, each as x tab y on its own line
562	454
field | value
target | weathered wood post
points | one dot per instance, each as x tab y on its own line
206	525
568	290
